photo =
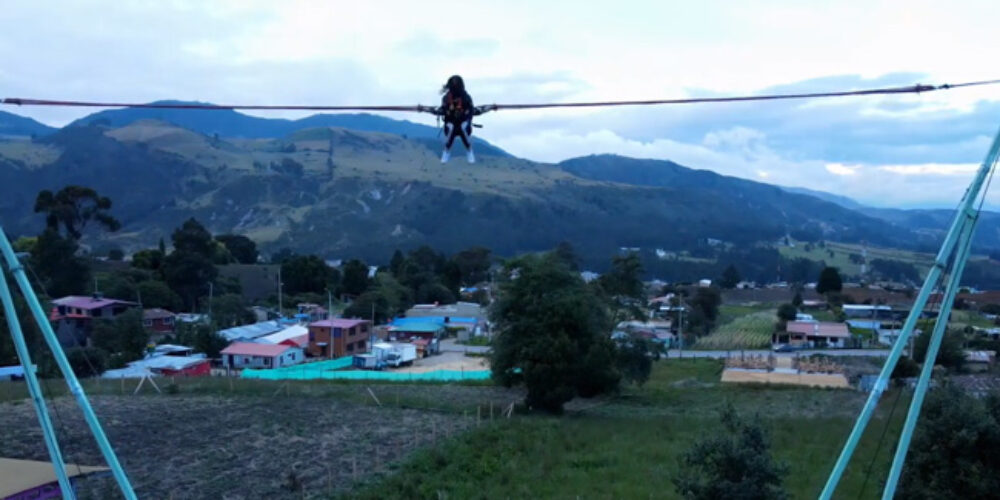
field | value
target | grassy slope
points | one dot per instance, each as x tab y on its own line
629	447
749	331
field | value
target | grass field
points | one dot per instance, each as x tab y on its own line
842	252
318	439
629	447
750	331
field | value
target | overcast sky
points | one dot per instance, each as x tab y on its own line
887	151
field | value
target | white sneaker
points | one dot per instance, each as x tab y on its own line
470	157
445	156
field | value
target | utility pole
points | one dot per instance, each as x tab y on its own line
680	330
281	313
211	295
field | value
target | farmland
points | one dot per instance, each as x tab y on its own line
304	439
752	331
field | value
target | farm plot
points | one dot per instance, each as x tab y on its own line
186	446
752	331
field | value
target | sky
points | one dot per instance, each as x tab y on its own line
898	151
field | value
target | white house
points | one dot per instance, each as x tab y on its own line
250	355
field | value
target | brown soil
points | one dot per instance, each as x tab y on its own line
234	447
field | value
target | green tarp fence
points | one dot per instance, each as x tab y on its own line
334	370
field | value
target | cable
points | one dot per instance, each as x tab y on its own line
911	89
881	440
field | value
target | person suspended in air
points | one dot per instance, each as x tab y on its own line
456	110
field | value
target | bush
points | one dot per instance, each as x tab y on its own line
905	368
87	361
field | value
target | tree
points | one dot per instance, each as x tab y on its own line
797	299
623	285
203	338
565	252
156	294
388	297
150	259
730	277
229	310
704	310
829	281
305	274
123	336
954	452
282	255
55	262
189	269
243	249
473	265
635	358
87	361
435	293
552	334
116	254
950	353
396	263
72	208
193	238
787	312
355	277
735	463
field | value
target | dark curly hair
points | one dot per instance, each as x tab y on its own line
454	84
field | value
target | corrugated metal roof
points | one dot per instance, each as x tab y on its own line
420	327
89	303
253	331
297	333
820	329
339	323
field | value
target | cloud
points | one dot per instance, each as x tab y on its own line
963	170
841	169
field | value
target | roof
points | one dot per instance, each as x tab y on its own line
297	333
89	303
18	476
15	370
820	329
339	323
251	331
171	348
157	313
417	327
251	349
440	320
866	307
169	362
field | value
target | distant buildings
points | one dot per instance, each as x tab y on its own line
73	316
813	334
159	321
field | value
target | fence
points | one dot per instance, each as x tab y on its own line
334	370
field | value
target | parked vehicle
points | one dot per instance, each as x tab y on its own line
395	355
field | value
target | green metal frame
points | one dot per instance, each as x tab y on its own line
74	385
961	229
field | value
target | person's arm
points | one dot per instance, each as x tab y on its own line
469	111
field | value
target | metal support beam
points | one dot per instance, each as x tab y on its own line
940	330
60	357
965	211
35	390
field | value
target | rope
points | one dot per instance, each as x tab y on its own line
881	440
910	89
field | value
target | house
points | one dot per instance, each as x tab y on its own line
159	321
813	334
410	330
73	316
338	337
166	360
250	355
311	312
295	336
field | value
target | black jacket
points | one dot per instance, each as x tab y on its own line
456	109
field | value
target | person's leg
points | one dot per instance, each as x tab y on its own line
450	131
466	131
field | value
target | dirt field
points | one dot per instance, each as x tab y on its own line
806	379
447	361
236	447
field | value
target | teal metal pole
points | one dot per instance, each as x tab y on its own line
940	328
35	390
74	385
965	211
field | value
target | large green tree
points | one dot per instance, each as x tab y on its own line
228	310
829	281
735	463
950	354
61	271
730	277
243	249
305	274
552	334
473	265
155	293
955	451
188	270
72	208
123	336
355	278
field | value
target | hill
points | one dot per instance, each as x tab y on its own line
233	124
12	125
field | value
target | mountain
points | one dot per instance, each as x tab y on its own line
343	193
930	223
233	124
16	125
832	198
